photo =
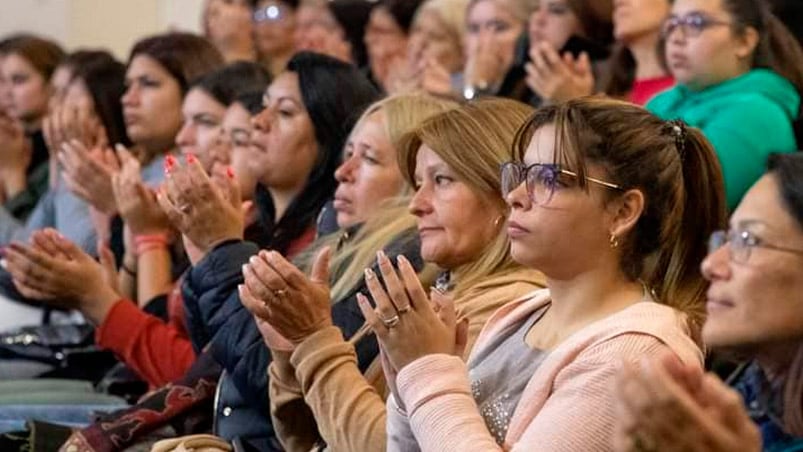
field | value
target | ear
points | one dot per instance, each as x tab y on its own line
625	212
747	42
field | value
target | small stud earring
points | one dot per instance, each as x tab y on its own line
614	242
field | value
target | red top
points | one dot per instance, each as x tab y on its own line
159	352
645	89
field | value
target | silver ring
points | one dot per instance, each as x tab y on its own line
185	208
391	322
280	293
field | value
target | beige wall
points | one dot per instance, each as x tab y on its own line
113	24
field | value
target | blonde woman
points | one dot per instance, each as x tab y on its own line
435	49
460	217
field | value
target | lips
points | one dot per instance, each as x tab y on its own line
341	203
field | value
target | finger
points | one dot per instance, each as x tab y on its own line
30	267
320	268
43	241
70	249
371	318
461	338
417	295
175	216
395	289
583	64
253	304
106	258
267	273
445	304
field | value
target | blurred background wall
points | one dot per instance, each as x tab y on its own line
116	23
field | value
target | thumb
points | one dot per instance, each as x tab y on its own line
67	247
461	337
583	64
444	306
320	268
246	208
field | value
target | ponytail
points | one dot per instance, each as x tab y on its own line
621	73
676	274
793	396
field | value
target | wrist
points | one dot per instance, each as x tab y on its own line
98	307
148	242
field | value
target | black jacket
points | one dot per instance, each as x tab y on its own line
216	317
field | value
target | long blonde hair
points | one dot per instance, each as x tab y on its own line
474	141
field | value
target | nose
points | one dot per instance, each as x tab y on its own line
345	172
185	135
262	121
518	198
130	96
716	266
421	202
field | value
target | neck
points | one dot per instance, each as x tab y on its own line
645	52
776	359
282	199
591	296
277	62
238	50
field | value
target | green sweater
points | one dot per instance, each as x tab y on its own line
746	119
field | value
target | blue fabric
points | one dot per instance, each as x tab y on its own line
764	405
13	417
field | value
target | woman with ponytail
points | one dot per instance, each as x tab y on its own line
739	74
615	207
754	305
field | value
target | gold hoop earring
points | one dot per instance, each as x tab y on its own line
614	242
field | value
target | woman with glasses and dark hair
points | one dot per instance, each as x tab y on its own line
228	25
739	73
754	313
615	207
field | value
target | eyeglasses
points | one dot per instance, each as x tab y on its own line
269	13
691	24
541	179
741	243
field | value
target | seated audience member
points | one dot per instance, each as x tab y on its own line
335	28
274	28
636	72
26	64
493	29
435	50
738	71
460	218
754	313
386	38
569	44
228	25
614	206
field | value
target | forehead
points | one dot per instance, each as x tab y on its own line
285	85
16	62
488	9
685	6
426	159
144	65
763	204
198	99
236	114
542	146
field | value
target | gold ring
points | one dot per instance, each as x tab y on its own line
391	322
404	310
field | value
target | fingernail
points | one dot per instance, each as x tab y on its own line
191	159
240	289
381	256
230	172
253	259
369	274
401	260
436	290
170	162
245	267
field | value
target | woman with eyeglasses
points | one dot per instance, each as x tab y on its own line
274	26
615	207
739	72
754	312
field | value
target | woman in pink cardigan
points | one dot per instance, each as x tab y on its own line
615	207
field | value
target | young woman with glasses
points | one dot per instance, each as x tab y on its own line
615	207
754	311
739	71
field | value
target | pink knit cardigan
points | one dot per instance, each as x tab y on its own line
568	404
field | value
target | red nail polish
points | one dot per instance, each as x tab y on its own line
191	158
170	162
230	172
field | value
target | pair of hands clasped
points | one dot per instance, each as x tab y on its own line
665	405
289	307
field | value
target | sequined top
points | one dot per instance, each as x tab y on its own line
510	360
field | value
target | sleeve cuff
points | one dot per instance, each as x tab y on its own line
429	377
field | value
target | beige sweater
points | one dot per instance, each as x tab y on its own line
318	392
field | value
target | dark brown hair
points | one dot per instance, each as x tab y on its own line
184	55
44	55
596	19
777	48
787	169
675	168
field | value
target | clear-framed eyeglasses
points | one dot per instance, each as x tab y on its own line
741	243
541	180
